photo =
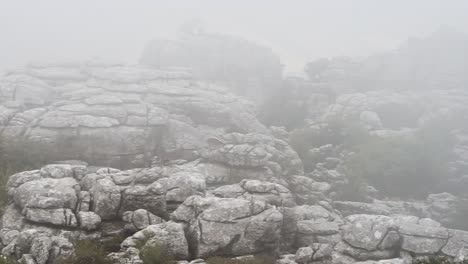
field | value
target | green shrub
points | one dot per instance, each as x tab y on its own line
400	166
88	252
155	254
254	260
335	132
112	244
7	260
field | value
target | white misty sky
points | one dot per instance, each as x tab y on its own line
298	30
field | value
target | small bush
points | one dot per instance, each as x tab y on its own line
88	252
335	132
7	260
112	244
431	260
253	260
395	166
155	254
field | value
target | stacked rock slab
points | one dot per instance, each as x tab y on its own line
71	201
220	184
181	208
116	115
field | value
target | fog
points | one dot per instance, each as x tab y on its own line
233	132
299	31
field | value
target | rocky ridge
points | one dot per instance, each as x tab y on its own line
213	180
116	115
196	216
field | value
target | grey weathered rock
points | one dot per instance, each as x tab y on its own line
88	220
40	249
130	256
140	219
248	217
57	171
92	114
350	208
60	216
63	190
254	151
270	193
184	184
239	223
233	193
384	261
443	207
308	224
106	199
367	231
27	259
287	259
423	239
313	253
151	198
456	245
169	236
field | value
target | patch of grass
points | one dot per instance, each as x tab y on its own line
435	260
336	132
7	260
155	254
253	260
88	252
112	244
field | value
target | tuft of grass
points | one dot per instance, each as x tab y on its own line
155	254
247	260
7	260
112	244
88	252
432	260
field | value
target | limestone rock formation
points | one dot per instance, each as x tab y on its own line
247	68
180	207
175	163
116	115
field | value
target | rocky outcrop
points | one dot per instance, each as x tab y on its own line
243	226
247	68
441	207
389	239
180	208
71	201
116	115
214	181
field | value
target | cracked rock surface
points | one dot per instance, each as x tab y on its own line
197	173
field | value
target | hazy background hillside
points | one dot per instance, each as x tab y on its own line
299	32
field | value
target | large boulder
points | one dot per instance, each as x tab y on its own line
254	151
307	224
232	226
271	193
166	236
